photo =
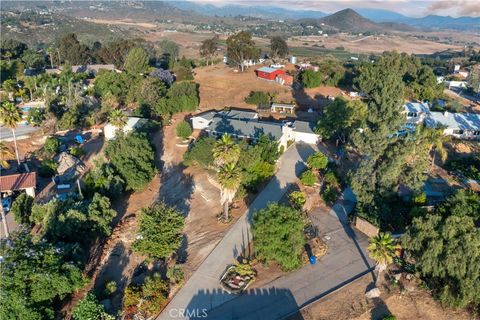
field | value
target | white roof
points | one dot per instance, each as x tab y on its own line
456	121
416	107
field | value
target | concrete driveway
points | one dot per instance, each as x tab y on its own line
207	277
345	261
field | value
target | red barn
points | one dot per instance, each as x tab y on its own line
268	73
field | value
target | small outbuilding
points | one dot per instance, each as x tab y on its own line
268	73
110	130
284	79
283	108
305	132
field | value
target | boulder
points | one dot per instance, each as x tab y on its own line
373	293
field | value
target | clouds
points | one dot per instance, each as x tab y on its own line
456	8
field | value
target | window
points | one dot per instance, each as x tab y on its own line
476	133
457	131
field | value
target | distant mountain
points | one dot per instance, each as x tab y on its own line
441	22
265	12
381	15
349	20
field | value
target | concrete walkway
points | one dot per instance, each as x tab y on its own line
207	277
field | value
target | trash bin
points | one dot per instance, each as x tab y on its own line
313	259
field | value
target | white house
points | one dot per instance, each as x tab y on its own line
416	111
457	84
458	125
110	131
246	125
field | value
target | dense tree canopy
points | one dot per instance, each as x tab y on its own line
278	47
311	78
278	235
241	47
132	157
35	277
208	49
137	61
446	248
71	50
160	231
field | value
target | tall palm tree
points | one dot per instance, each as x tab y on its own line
382	249
117	118
229	178
10	116
5	154
50	52
225	151
31	83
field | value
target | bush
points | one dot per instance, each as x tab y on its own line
110	288
420	199
175	274
22	208
297	199
104	180
258	98
317	161
311	79
329	195
278	234
132	157
331	179
147	299
468	166
50	148
389	317
48	168
183	130
160	231
89	308
201	153
77	151
308	178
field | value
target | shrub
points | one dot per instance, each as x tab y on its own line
317	161
175	274
89	308
278	234
147	299
183	130
331	179
77	151
297	199
420	199
22	208
50	148
308	178
48	168
329	195
201	153
258	98
110	288
389	317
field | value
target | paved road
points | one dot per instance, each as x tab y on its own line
231	246
23	131
345	261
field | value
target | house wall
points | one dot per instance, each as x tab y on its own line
466	135
199	123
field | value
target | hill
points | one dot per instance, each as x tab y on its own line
349	20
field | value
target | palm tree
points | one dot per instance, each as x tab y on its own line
382	249
229	178
225	151
31	83
117	118
50	52
5	154
10	116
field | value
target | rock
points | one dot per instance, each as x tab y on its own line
374	293
398	276
409	276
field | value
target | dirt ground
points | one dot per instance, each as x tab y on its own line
349	303
221	87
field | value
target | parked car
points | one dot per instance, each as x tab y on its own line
6	204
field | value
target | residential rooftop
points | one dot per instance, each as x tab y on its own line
416	107
244	128
456	121
304	126
267	69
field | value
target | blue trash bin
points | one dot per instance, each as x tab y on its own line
313	260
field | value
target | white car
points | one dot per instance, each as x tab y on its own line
277	66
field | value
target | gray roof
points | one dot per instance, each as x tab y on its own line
416	107
238	114
245	128
207	115
456	121
283	105
304	126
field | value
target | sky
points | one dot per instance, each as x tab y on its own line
410	8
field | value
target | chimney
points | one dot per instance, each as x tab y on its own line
445	114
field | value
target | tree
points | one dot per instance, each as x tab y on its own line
160	231
164	75
201	153
208	49
5	154
10	116
341	118
89	308
137	61
226	151
36	277
133	158
146	300
182	96
278	47
183	130
151	91
229	177
317	161
297	199
308	178
169	51
382	249
446	249
22	208
258	98
12	46
33	59
117	118
311	78
473	79
104	180
71	50
241	47
278	235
